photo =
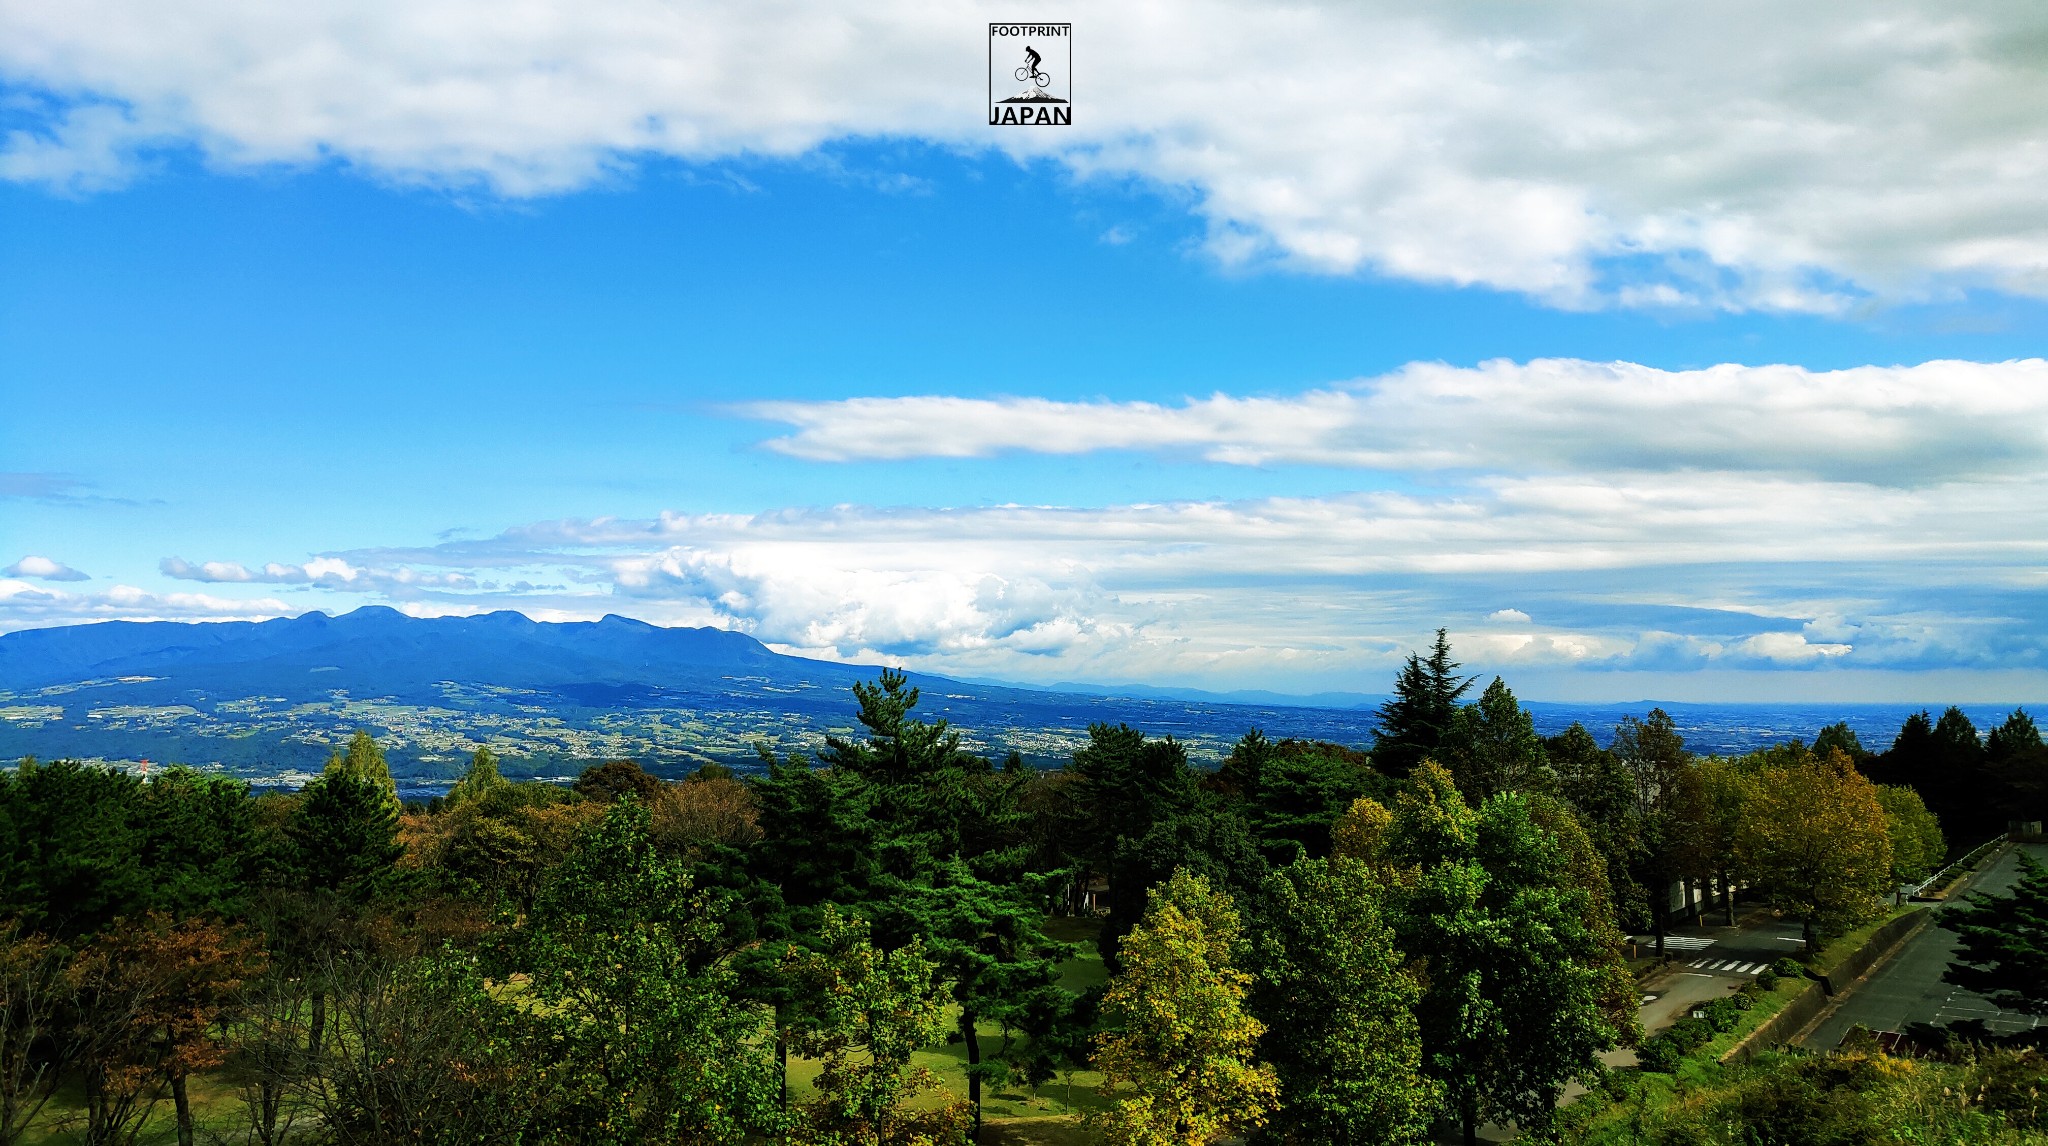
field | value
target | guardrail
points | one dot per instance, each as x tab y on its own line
1948	874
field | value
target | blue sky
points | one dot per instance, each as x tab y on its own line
1252	391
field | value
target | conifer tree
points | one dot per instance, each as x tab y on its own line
1414	723
1492	747
2002	945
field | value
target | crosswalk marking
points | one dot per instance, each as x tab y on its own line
1686	943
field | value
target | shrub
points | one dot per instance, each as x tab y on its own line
1766	979
1658	1054
1788	969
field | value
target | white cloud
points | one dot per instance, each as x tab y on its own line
1678	571
326	572
811	597
1763	155
25	606
1889	424
44	569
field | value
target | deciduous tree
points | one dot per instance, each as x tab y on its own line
1176	1032
863	1013
1517	980
1338	1008
1814	841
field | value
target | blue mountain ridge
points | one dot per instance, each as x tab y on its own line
269	699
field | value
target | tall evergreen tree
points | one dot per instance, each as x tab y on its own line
1414	723
951	848
1839	737
2017	736
343	836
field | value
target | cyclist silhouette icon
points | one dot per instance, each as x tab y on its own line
1030	69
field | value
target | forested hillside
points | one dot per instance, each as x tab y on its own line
901	941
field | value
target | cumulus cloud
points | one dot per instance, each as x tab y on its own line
1760	155
831	606
44	569
1932	422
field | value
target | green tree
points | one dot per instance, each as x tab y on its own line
1492	747
1292	792
1917	845
2017	736
1338	1007
864	1013
71	845
1841	738
199	843
343	836
1176	1032
1517	977
635	992
479	781
1601	790
1654	754
951	849
2002	944
1412	725
1814	842
364	760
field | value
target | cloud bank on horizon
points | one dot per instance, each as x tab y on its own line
1752	156
1558	514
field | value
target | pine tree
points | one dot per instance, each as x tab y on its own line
1414	723
2002	949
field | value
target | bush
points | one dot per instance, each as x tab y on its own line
1766	979
1658	1054
1788	969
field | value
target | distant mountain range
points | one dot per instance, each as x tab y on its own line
273	696
269	699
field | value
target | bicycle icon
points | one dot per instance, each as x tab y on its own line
1030	69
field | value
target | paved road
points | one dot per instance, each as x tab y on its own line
1908	989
